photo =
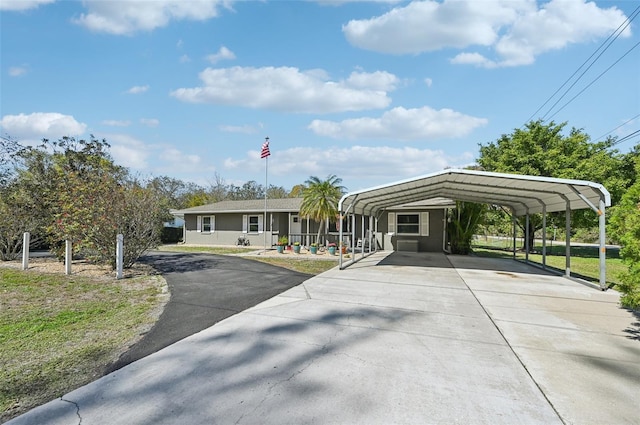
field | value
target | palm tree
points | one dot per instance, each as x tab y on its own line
320	199
464	221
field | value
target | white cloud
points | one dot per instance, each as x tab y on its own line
185	59
473	59
149	122
223	54
138	89
244	129
49	125
379	80
401	124
128	17
116	123
158	159
289	89
428	82
20	5
17	71
379	164
180	159
129	151
516	30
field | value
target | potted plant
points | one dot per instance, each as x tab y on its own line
332	248
282	242
296	247
314	248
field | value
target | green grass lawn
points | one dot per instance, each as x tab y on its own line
584	259
58	332
300	264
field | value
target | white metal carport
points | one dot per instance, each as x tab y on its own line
522	194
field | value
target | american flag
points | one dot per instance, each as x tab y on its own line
265	149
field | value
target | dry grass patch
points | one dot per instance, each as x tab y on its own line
59	332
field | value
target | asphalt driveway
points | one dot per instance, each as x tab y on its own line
206	289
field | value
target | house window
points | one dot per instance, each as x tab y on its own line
206	223
408	224
254	223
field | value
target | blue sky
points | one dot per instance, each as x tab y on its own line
373	92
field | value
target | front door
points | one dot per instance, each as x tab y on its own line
295	229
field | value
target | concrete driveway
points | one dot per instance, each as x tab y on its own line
396	338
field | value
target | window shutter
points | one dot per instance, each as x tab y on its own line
244	223
424	223
260	223
391	225
213	223
199	223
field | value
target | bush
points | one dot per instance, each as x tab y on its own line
625	226
171	235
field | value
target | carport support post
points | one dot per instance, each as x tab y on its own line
353	235
526	238
603	248
567	241
370	232
26	237
513	222
544	236
362	235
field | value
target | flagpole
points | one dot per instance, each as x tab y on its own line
266	187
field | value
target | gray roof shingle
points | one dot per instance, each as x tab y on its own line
253	205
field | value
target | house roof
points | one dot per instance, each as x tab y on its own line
523	194
247	206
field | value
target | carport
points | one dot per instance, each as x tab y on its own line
521	194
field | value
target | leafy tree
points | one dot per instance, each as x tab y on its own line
277	192
625	226
249	190
22	206
75	190
463	223
133	210
542	150
218	190
320	199
297	191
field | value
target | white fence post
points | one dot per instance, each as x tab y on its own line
26	238
68	254
119	255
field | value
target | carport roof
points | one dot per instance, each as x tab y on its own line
523	194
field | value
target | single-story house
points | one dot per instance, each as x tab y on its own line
417	226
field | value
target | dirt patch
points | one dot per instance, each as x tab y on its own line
80	268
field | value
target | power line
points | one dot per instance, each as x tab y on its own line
593	81
621	125
605	44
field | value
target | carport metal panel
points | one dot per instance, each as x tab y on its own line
523	194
